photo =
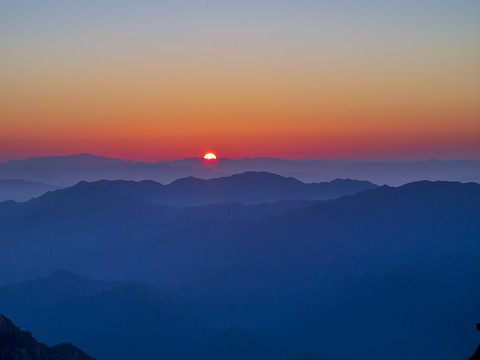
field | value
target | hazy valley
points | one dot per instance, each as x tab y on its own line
248	266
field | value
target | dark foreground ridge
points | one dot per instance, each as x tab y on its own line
476	355
16	344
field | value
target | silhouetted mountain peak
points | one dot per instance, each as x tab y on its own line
85	156
262	175
7	327
347	180
63	159
424	184
17	344
440	188
187	180
252	177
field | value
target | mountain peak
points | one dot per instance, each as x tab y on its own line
17	344
7	327
263	175
186	180
85	156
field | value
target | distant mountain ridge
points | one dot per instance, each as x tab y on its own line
68	170
257	187
363	232
112	213
382	224
247	188
22	190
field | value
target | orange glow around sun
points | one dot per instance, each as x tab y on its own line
210	156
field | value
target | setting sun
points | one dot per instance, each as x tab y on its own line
210	156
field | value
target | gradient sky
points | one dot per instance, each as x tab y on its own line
153	80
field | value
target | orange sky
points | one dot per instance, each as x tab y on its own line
280	85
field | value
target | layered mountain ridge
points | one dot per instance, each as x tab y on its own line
70	169
278	280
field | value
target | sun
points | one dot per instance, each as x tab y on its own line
210	156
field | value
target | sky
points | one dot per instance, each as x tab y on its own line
159	80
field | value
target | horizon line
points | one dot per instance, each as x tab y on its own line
245	158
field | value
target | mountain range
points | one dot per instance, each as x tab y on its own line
288	270
69	170
104	223
368	231
247	188
111	213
